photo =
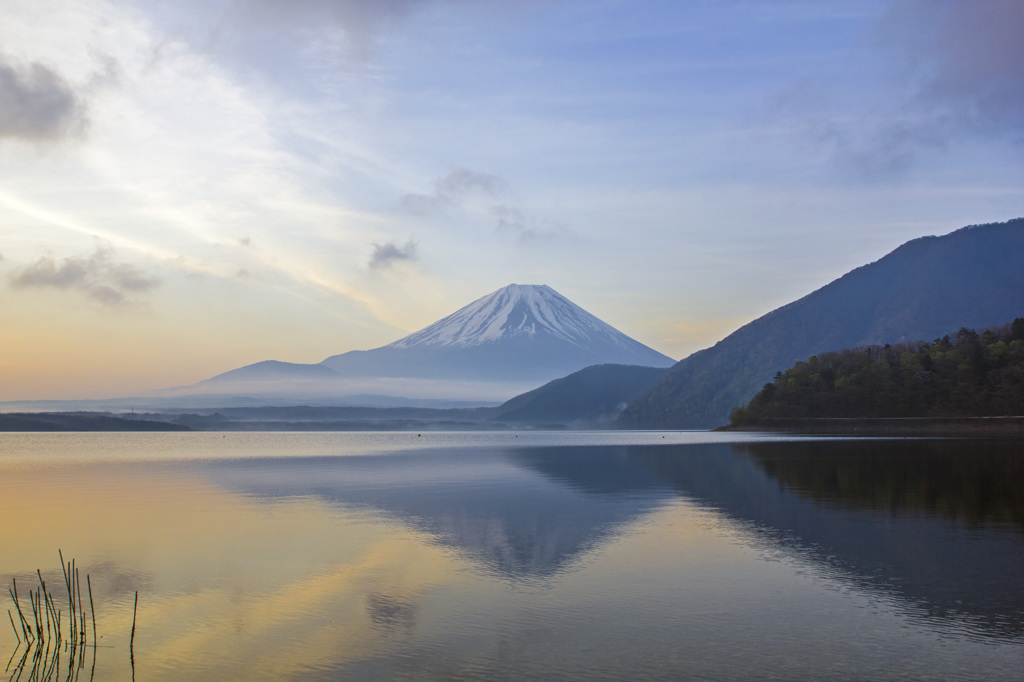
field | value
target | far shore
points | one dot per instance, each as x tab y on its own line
375	419
888	426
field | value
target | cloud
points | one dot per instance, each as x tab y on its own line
870	144
387	254
463	184
98	276
36	103
509	218
354	14
966	57
463	181
423	204
452	189
359	21
950	71
882	149
512	219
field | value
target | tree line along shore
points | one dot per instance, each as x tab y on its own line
967	382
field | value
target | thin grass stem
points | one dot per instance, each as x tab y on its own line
92	608
135	610
14	628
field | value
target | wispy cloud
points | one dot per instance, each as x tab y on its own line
513	220
359	21
462	186
353	14
452	189
949	71
99	276
509	218
387	254
882	148
37	103
966	57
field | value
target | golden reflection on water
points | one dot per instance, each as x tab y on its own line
230	587
237	587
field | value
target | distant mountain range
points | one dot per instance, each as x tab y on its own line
509	341
522	337
925	289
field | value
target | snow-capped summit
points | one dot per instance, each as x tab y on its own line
507	342
521	332
518	309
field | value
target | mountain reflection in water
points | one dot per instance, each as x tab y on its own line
937	526
524	513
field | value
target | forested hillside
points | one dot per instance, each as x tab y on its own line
968	375
973	277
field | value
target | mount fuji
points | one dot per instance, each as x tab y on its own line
511	340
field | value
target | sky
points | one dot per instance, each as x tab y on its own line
190	187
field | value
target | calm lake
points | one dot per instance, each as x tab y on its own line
607	555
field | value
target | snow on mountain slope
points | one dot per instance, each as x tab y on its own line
503	344
520	332
518	309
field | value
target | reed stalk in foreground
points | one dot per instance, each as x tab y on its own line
42	632
135	609
12	626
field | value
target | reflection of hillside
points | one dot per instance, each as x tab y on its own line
880	515
608	471
970	482
935	526
525	513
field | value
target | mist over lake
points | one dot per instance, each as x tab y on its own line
583	555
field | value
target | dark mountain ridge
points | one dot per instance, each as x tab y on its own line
590	397
926	288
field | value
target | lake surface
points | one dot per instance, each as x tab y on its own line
522	555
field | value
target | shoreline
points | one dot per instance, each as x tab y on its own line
905	426
1003	427
31	422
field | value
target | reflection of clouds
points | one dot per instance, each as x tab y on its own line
261	586
250	622
228	588
111	581
390	613
323	571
